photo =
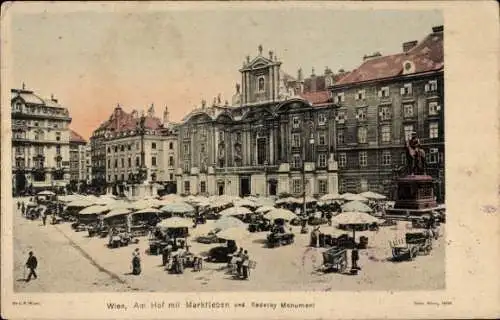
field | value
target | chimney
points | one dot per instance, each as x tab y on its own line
165	116
407	46
437	29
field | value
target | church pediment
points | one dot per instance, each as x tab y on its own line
258	63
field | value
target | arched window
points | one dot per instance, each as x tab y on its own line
261	84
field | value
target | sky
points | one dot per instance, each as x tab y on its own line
92	60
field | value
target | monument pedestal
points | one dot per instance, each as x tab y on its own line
414	198
140	191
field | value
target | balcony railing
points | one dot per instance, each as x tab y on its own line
257	168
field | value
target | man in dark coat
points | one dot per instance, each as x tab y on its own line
354	259
31	264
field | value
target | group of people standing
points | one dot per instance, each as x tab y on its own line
242	261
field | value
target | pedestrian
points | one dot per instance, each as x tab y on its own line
136	262
18	205
329	217
31	264
245	264
23	209
354	259
44	217
239	261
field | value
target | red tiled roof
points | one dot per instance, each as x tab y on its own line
122	121
427	56
317	97
75	137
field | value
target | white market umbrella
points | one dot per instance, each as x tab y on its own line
95	209
172	198
46	193
70	197
244	203
234	233
235	211
220	203
353	197
80	203
227	222
175	222
288	200
330	197
263	201
353	218
178	207
309	199
264	209
373	195
148	210
356	206
103	201
117	212
251	198
279	213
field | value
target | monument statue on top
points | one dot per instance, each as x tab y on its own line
415	156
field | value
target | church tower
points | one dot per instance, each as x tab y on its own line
260	79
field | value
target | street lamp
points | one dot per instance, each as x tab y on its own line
265	178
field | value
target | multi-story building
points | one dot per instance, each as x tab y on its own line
381	103
88	163
129	148
274	137
77	158
40	142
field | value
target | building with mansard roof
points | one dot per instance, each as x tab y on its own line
381	103
40	142
120	148
274	137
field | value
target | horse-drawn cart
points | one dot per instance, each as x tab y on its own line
335	259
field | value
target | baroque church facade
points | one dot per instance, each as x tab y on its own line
273	138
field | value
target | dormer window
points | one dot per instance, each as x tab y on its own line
261	84
360	95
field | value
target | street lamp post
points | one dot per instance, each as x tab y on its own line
265	178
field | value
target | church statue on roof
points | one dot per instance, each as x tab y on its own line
151	110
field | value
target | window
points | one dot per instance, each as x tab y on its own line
296	186
296	122
322	160
123	162
171	176
39	135
17	107
342	160
386	133
58	136
322	119
296	161
433	130
408	130
109	163
406	90
116	177
153	145
221	135
386	158
384	92
296	140
186	166
187	187
116	148
360	95
185	133
431	86
261	84
58	150
363	159
362	135
340	136
109	177
171	161
203	187
432	155
186	149
109	150
340	97
434	108
385	113
171	146
361	114
116	163
122	176
341	117
122	148
408	111
323	186
403	158
321	138
129	160
129	147
36	124
137	162
153	161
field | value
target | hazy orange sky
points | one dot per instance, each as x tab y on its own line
137	56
